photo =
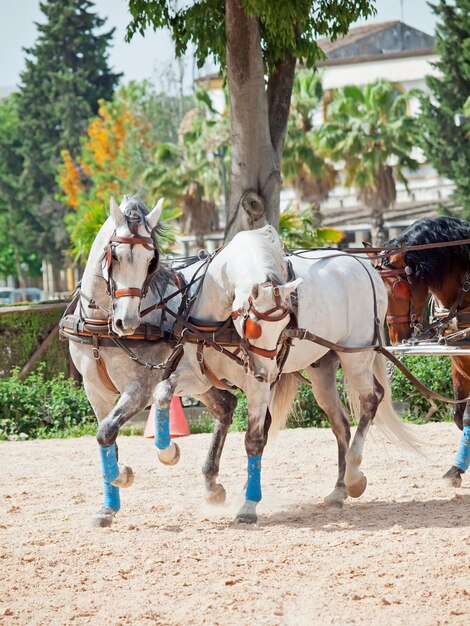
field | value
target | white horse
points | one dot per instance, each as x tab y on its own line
252	265
342	299
251	268
119	387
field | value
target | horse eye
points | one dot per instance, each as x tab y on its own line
114	255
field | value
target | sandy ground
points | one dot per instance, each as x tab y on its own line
398	555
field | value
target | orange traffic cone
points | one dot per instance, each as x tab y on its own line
178	424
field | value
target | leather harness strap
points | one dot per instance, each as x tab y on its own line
101	366
133	292
384	252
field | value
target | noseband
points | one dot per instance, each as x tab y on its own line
133	240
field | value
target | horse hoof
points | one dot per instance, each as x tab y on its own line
247	514
246	518
170	455
217	495
336	498
356	490
453	477
125	478
102	518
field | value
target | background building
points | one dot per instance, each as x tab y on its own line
404	56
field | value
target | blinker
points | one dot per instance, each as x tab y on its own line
251	329
401	289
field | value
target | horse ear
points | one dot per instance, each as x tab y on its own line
288	288
155	213
366	245
115	212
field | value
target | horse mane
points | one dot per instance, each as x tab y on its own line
433	266
160	281
266	248
136	212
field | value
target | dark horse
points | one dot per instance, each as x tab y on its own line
445	273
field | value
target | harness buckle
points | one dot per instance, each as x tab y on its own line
96	347
466	286
199	354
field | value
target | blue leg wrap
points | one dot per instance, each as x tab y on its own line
110	473
253	487
162	428
111	496
109	462
462	460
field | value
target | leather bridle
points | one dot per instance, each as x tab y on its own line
107	258
251	327
401	289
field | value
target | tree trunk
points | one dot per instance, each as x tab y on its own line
379	198
377	229
255	182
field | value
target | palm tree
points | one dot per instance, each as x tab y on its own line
369	131
188	172
302	167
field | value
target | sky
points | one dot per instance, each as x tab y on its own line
152	55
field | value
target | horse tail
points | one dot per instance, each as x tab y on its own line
386	418
280	402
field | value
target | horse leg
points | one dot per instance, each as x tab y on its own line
366	395
115	475
222	405
259	420
461	417
323	378
182	381
461	384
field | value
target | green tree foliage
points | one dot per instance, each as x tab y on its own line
189	172
66	74
118	145
302	167
203	133
302	230
257	43
370	132
445	146
16	224
286	25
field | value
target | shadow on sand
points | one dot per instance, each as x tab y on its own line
377	515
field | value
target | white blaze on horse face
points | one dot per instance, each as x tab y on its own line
130	265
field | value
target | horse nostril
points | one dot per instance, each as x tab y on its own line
118	323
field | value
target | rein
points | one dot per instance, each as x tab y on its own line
381	252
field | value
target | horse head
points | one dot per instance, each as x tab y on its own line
407	295
129	260
259	318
